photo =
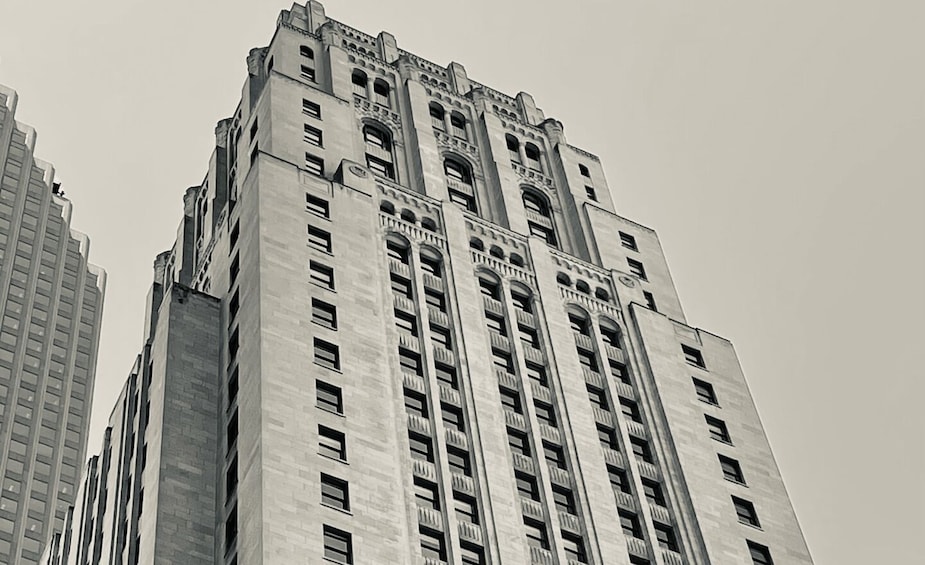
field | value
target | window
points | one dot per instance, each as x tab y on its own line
653	492
430	265
587	360
650	300
330	397
503	361
630	409
319	239
513	148
495	323
435	299
705	391
421	447
526	486
324	314
441	337
636	268
406	323
641	449
306	52
618	370
584	170
410	361
536	534
539	220
693	356
416	403
397	251
381	92
332	443
732	471
313	136
579	324
446	375
564	499
334	492
459	180
590	193
458	461
628	241
618	479
425	492
400	285
458	125
537	373
511	400
471	554
327	354
310	108
532	153
466	508
490	288
432	545
465	201
574	548
314	165
630	524
746	511
379	151
308	73
545	413
666	537
554	455
521	302
359	80
528	336
608	437
639	561
437	115
231	435
453	418
598	397
760	554
317	206
718	429
231	528
338	546
518	442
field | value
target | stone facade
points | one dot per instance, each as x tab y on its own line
439	343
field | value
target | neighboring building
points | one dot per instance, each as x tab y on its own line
51	302
434	341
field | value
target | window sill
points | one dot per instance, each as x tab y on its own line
329	411
735	482
752	526
323	286
320	251
341	510
325	367
338	459
327	327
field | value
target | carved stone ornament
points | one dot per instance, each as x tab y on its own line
358	171
627	281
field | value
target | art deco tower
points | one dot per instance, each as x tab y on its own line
402	322
51	301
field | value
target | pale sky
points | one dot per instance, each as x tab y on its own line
777	147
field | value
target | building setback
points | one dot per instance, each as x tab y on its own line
433	341
51	303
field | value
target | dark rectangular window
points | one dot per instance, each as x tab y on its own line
693	356
231	432
588	360
310	108
410	361
528	336
718	429
537	373
397	252
313	136
472	554
324	314
425	492
400	286
319	239
332	443
432	544
234	304
610	336
618	370
745	510
641	449
630	409
628	241
618	479
334	492
666	537
441	337
466	508
406	323
630	524
231	478
330	397
421	447
598	397
314	165
308	73
536	534
521	302
446	375
590	193
564	499
453	418
526	486
495	323
338	546
760	554
555	455
435	299
317	206
416	403
732	471
458	461
653	492
650	300
430	265
511	399
380	167
705	391
574	548
321	274
636	268
518	442
608	437
579	324
502	360
545	413
231	528
327	354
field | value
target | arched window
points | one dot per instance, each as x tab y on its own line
476	243
533	157
308	63
521	298
563	279
496	252
610	334
307	52
381	93
387	207
579	322
513	148
359	80
458	124
517	260
437	116
431	261
408	216
490	286
583	287
397	250
428	224
459	183
379	151
602	294
539	219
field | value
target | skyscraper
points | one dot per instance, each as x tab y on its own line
402	322
51	301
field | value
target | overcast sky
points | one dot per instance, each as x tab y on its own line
777	147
